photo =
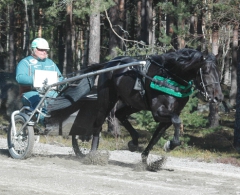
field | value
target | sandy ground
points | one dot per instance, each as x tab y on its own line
55	170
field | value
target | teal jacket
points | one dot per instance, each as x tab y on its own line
27	66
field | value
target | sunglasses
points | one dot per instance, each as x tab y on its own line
42	49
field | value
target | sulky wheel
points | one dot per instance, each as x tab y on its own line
20	146
81	145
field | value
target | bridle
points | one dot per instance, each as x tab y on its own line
204	86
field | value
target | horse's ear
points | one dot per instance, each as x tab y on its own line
199	48
205	52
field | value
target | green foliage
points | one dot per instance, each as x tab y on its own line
205	132
180	11
164	38
145	121
226	11
80	8
190	117
162	141
140	50
183	139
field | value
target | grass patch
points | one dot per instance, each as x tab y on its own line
4	124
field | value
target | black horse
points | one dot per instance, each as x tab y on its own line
162	86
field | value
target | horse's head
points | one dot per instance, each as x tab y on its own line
187	64
208	81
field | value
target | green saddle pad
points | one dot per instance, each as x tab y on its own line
171	87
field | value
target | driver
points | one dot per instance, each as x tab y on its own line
38	60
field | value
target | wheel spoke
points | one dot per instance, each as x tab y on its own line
81	145
21	144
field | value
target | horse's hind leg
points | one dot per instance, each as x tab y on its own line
95	141
122	115
103	112
155	137
170	145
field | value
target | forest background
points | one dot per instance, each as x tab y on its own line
83	32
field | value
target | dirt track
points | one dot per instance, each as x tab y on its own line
54	170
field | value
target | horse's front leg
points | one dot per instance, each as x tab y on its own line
170	145
162	127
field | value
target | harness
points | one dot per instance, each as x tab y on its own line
167	85
140	80
160	83
171	87
204	86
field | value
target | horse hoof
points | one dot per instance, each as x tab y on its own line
132	147
144	159
166	146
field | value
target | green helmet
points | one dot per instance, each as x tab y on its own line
40	43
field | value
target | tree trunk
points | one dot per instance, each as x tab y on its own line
215	37
68	46
171	23
202	31
233	91
236	141
33	18
181	40
158	26
213	108
114	40
226	58
61	48
94	39
213	116
138	29
12	61
85	47
26	33
40	22
146	21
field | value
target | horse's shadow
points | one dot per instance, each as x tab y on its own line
122	164
135	166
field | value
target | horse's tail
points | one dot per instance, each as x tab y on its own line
71	94
74	91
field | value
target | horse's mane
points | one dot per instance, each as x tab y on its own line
179	61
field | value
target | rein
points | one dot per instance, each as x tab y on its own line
172	74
